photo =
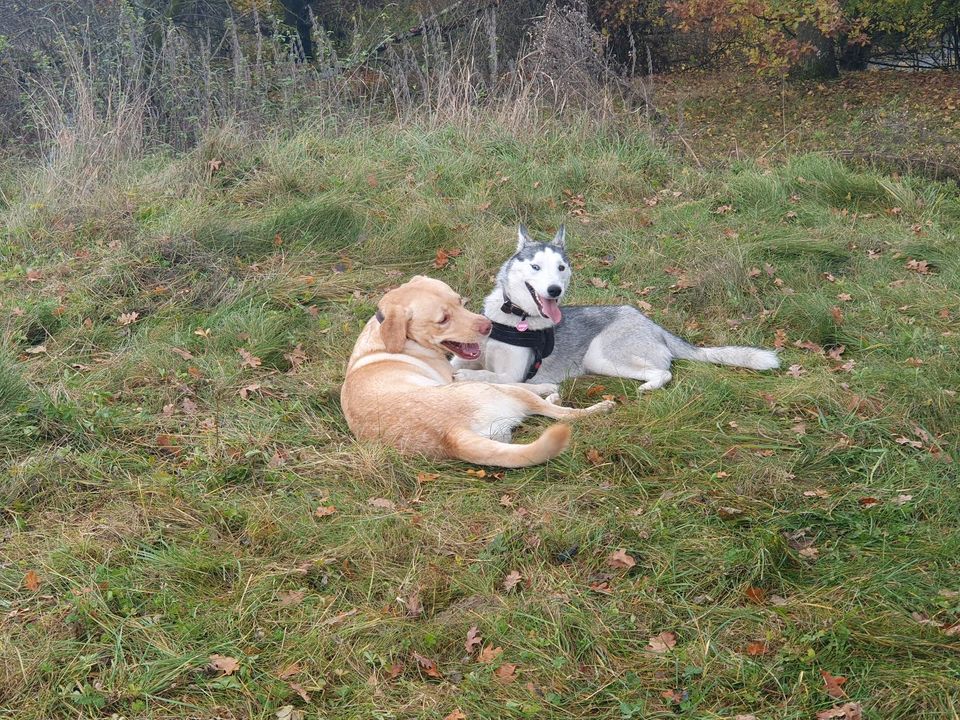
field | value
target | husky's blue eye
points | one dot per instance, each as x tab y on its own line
535	267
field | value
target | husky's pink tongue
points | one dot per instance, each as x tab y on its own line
551	308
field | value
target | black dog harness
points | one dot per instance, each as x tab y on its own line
540	341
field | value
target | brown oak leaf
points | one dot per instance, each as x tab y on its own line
225	664
664	642
621	560
474	639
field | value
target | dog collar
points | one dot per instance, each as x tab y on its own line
511	309
540	341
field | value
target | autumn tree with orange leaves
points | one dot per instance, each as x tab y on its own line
778	36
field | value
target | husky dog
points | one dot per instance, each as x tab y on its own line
532	340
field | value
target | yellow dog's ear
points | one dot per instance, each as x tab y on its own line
393	326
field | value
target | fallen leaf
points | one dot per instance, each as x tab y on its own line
837	314
868	502
36	350
511	581
506	673
382	503
443	257
753	272
34	276
372	180
594	457
844	297
31	581
506	501
913	362
756	595
128	318
298	689
245	392
902	499
673	697
722	209
780	338
729	513
426	477
744	717
474	639
394	671
214	165
296	357
289	712
166	441
324	511
340	617
477	473
414	606
291	598
621	560
456	715
908	441
819	492
189	406
847	711
249	360
807	345
225	664
289	671
796	371
835	353
662	643
832	684
809	553
919	266
757	648
599	283
489	653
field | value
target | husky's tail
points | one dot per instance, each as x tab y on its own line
468	445
737	355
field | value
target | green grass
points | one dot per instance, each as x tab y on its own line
169	519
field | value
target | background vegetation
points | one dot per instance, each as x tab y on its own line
193	235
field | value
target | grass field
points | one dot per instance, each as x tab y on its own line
160	487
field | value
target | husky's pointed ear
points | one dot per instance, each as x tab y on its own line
523	237
560	239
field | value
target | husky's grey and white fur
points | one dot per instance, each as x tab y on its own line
613	340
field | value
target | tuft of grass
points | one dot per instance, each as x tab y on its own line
164	491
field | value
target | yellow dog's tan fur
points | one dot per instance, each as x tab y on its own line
399	386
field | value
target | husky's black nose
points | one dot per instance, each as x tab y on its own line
554	291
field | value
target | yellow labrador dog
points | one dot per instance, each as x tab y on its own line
399	385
